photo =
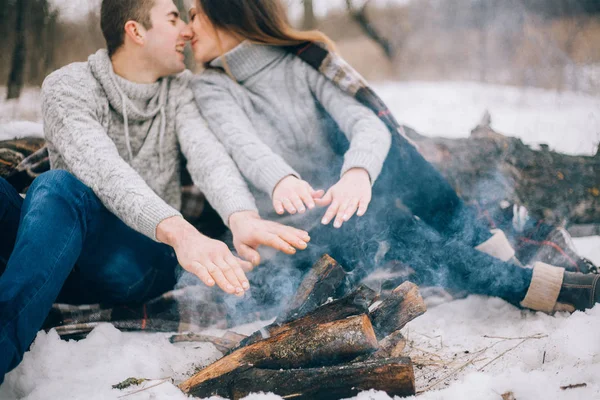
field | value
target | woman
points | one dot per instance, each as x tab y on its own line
281	119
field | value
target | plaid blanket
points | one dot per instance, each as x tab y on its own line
196	307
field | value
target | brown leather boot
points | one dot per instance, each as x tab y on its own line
580	290
552	289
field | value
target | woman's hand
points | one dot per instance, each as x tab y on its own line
292	194
351	193
251	231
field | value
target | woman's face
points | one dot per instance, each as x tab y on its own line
205	40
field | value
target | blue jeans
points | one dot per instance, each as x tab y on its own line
62	243
439	245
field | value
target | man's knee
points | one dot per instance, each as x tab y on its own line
57	180
59	184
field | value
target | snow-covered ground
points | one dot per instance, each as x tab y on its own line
474	348
568	122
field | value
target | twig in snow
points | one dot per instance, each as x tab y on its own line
147	388
426	352
544	358
454	372
536	336
475	358
503	353
427	336
578	385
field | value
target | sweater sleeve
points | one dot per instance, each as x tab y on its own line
370	140
72	128
257	161
210	167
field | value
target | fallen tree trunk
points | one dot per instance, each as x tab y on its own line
487	168
319	345
394	376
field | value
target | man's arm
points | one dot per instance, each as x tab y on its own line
210	167
72	127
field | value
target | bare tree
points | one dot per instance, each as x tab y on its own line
310	21
360	16
482	24
15	80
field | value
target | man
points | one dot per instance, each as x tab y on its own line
117	127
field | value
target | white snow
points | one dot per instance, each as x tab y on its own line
25	108
552	351
20	129
568	122
589	247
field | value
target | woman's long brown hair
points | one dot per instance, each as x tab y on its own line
259	21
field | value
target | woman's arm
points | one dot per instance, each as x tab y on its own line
257	162
370	140
214	172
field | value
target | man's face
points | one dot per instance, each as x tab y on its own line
165	41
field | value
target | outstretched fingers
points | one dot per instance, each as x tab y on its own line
202	273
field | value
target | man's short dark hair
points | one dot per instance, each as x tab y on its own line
114	15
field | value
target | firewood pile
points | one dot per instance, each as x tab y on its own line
319	348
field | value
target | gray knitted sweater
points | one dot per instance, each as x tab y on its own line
274	121
126	142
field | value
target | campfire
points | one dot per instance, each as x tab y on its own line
319	348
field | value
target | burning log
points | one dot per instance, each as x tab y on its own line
356	303
402	306
391	346
394	376
319	332
319	345
233	336
324	281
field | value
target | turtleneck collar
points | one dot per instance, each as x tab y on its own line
247	59
135	101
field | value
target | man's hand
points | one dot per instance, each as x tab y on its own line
291	194
351	193
251	231
208	259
